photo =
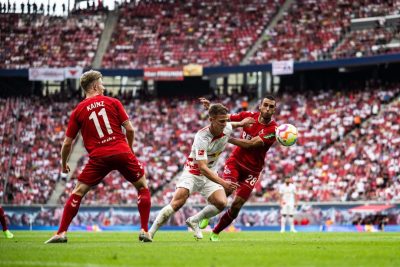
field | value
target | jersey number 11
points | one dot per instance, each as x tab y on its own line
103	114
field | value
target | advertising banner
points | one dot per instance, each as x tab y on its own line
163	74
193	70
282	67
73	72
46	74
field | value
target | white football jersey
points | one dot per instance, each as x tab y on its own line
207	147
288	193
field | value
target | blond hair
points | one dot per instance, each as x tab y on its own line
217	109
88	78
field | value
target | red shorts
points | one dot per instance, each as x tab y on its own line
245	178
97	168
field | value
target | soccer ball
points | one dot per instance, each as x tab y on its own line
286	134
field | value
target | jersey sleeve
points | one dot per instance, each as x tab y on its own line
241	115
200	147
122	115
73	126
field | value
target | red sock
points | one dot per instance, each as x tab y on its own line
224	222
70	210
144	205
3	219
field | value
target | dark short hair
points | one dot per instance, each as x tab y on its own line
217	109
270	97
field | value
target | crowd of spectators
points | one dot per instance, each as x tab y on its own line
174	33
310	29
33	134
8	117
369	42
374	8
48	41
327	164
340	158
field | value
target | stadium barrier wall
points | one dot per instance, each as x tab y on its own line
315	217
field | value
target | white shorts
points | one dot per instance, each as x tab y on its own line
198	183
287	209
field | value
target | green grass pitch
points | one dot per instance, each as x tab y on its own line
177	249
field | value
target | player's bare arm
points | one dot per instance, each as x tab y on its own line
229	186
280	200
243	123
65	151
130	132
244	143
206	103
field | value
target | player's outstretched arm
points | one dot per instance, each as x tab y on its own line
206	103
65	151
244	143
229	186
243	123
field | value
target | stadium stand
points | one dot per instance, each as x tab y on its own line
154	33
369	42
48	41
339	140
31	146
172	33
151	33
311	30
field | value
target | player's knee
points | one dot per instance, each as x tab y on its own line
237	204
176	204
141	183
81	189
221	204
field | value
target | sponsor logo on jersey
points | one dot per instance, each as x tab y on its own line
269	136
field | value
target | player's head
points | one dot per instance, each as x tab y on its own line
218	114
288	180
267	107
92	83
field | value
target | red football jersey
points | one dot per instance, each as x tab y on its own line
100	119
253	158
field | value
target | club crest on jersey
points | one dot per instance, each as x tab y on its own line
227	170
200	152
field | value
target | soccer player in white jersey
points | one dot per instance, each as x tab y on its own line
199	174
287	202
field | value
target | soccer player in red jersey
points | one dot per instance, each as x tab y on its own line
6	232
245	163
99	119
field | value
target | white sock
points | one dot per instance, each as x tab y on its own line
162	217
207	212
291	222
283	222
